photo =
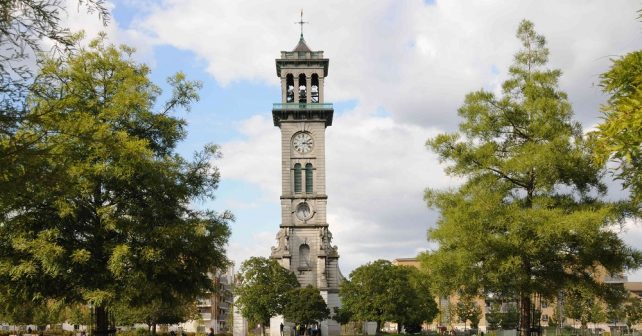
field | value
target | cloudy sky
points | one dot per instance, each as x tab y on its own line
398	72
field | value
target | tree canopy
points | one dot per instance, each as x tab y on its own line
380	291
101	204
529	217
305	305
619	136
262	291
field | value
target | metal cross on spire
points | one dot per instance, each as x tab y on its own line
301	22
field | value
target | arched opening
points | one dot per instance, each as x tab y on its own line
289	84
314	89
297	178
308	178
302	89
304	256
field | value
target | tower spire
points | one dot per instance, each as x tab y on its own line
301	22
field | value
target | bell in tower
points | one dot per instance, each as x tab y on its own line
304	242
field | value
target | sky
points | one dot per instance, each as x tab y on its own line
398	72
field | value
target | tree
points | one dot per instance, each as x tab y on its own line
633	310
468	310
581	304
306	306
380	292
157	312
619	136
494	316
104	206
262	291
24	24
529	217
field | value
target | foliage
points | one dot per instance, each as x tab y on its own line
99	213
342	315
581	304
23	26
306	306
619	136
529	217
494	316
468	310
380	292
157	312
633	310
263	289
510	318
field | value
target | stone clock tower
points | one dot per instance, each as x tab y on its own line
304	242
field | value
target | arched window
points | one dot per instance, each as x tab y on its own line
304	256
308	178
289	84
302	89
297	178
314	88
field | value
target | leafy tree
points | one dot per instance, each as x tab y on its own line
380	291
306	306
619	136
342	315
510	318
633	311
104	208
581	304
157	312
529	218
468	310
494	316
23	26
262	291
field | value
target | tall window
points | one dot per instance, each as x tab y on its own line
302	89
297	178
304	255
308	178
289	83
314	89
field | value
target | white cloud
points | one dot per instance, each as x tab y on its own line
415	60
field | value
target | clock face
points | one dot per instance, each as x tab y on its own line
303	211
302	142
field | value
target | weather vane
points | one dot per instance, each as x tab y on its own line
301	22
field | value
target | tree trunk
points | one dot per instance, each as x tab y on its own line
398	327
153	328
525	315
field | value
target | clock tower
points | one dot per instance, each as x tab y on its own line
304	242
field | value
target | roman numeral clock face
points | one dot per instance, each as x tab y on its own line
302	142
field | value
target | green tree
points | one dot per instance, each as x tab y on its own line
305	305
104	207
262	291
380	292
619	136
494	316
529	218
633	311
24	24
157	312
468	310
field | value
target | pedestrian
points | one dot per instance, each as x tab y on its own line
211	333
281	328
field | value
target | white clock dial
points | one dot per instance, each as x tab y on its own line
303	211
302	142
